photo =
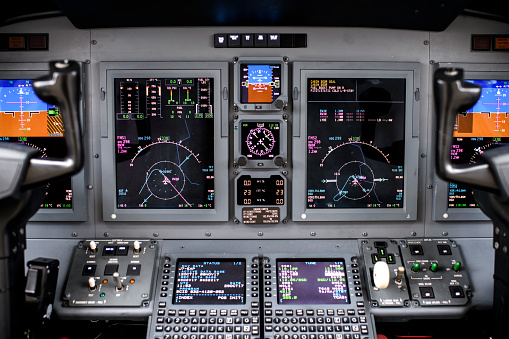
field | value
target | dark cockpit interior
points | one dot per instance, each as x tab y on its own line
254	169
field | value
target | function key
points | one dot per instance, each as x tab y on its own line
279	313
360	304
255	304
162	304
268	304
182	312
172	312
299	312
320	312
213	313
254	265
355	265
416	250
289	312
330	312
244	313
341	312
310	312
223	313
234	312
350	312
192	313
267	266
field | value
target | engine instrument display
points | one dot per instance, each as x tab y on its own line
482	127
260	140
26	119
260	191
260	83
355	142
210	282
312	281
164	131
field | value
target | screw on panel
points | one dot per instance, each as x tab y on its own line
445	233
235	108
364	234
235	172
74	234
497	230
426	42
208	234
429	186
286	59
413	233
87	61
423	155
446	215
90	187
312	234
260	234
106	234
235	221
285	221
235	60
155	235
432	62
94	42
96	155
284	173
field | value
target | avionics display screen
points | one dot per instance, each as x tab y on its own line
355	142
484	126
260	139
260	191
260	83
26	119
164	131
210	282
312	281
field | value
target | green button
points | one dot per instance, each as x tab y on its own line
102	295
416	267
456	266
434	267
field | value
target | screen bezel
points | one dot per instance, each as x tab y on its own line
441	211
300	260
217	71
260	107
78	212
199	260
306	70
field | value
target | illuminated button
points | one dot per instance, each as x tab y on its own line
102	295
132	281
434	267
427	292
220	40
416	267
109	251
456	292
457	266
391	259
122	250
382	252
260	40
105	281
88	270
133	269
444	249
233	40
416	250
375	258
247	40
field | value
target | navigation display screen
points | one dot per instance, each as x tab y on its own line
260	139
164	152
482	127
355	142
26	119
260	83
210	282
312	281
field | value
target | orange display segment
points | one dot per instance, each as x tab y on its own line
473	125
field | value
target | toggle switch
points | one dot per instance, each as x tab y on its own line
434	267
381	275
117	281
399	275
93	247
91	284
416	267
456	267
137	246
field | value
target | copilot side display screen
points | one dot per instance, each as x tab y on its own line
210	282
355	143
164	147
478	129
312	281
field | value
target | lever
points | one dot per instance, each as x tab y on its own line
381	275
399	275
137	246
93	247
91	283
118	282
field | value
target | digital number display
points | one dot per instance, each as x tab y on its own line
260	83
355	142
260	191
260	140
26	119
312	281
164	131
210	282
482	127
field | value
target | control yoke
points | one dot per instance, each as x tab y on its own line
453	95
489	178
60	88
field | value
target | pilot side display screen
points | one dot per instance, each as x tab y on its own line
355	142
312	281
210	282
478	129
164	147
26	119
260	83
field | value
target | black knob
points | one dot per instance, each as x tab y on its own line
279	161
242	161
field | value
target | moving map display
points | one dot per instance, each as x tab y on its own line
355	142
480	128
164	130
26	119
